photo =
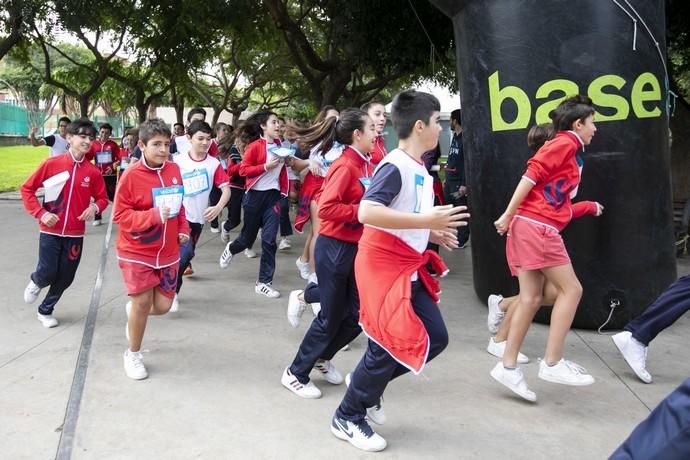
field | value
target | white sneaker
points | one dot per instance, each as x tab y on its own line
224	234
250	253
498	348
329	372
634	353
134	365
495	317
31	292
315	308
303	268
374	413
514	381
47	320
267	290
175	307
360	434
226	257
215	229
295	308
128	308
97	223
306	391
284	244
565	373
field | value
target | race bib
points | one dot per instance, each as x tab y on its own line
282	152
195	182
170	197
104	158
418	192
366	182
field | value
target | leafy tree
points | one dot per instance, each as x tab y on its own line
343	47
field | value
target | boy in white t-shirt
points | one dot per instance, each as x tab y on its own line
200	172
398	297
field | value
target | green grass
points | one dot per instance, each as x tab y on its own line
17	163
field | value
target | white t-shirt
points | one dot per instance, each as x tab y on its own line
325	161
403	184
57	145
198	178
271	178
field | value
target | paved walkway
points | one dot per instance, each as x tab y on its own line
214	388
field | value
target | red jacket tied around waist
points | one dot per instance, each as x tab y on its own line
84	182
143	237
383	267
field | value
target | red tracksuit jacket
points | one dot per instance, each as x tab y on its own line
341	193
143	237
379	151
252	165
555	174
85	182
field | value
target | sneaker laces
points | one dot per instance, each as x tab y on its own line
576	368
364	428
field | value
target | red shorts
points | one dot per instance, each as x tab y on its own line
533	246
140	278
311	190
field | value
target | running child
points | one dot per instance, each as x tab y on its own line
377	112
537	212
322	153
57	143
106	154
152	226
230	151
200	172
70	183
267	181
312	182
336	324
398	297
501	309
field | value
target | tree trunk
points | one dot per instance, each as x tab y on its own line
152	112
84	106
216	115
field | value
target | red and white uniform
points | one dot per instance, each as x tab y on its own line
85	182
198	177
379	151
253	167
104	155
143	238
341	194
555	173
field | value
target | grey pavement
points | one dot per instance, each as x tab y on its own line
214	389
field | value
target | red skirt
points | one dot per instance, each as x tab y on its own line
310	191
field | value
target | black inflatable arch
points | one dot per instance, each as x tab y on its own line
516	59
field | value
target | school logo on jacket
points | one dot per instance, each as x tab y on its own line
556	193
149	235
74	252
174	180
86	182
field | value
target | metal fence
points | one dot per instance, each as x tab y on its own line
14	121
